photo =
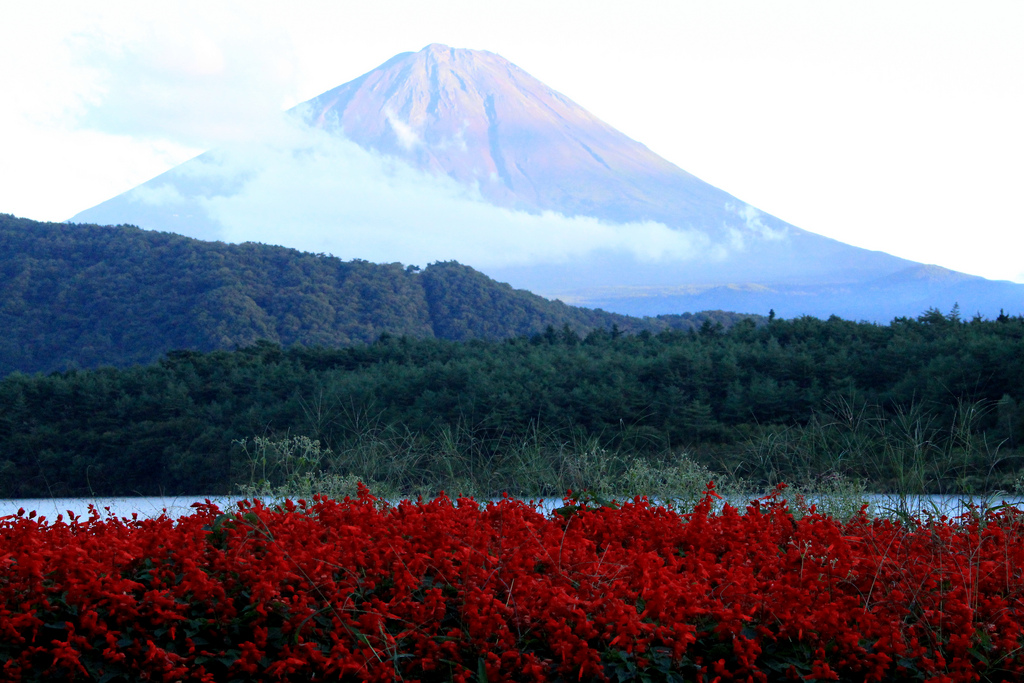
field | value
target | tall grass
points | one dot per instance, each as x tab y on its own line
398	464
846	449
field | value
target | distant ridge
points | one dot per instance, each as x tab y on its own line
86	296
660	239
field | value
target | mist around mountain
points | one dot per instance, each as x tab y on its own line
83	296
917	287
453	154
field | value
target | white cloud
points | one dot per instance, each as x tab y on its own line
199	73
304	188
109	94
754	225
407	137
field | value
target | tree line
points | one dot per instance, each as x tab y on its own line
726	396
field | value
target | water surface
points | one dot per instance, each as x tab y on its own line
177	506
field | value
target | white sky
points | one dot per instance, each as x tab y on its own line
891	125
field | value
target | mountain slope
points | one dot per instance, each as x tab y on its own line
85	296
576	210
480	119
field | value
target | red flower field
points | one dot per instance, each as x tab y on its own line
447	590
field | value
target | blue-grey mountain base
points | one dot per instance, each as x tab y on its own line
453	154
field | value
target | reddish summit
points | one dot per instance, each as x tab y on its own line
475	116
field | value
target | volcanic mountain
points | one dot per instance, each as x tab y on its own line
459	154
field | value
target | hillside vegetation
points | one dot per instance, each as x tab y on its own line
84	296
930	403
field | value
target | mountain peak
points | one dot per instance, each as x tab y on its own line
478	118
442	51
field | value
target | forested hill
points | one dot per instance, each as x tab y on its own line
86	296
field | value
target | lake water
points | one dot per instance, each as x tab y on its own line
173	506
177	506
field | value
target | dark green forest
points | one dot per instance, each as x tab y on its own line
926	402
84	296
